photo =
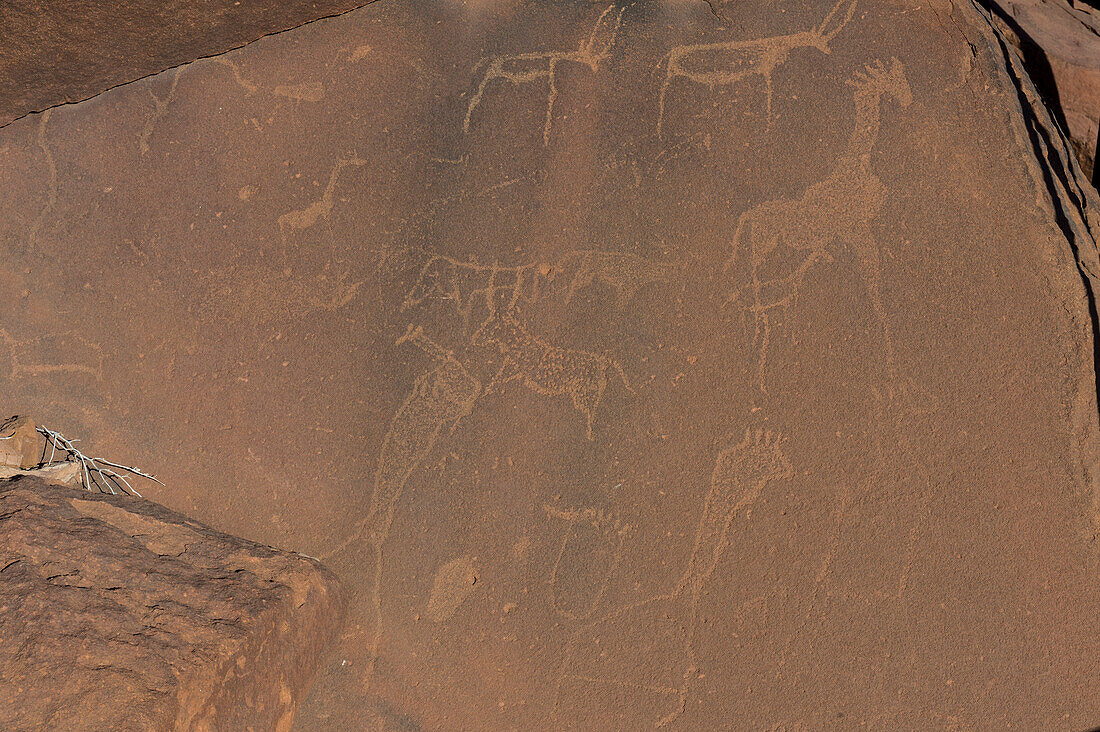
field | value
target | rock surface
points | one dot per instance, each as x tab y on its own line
1060	41
118	614
629	363
20	444
59	51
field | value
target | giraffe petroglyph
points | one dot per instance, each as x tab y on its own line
839	208
442	395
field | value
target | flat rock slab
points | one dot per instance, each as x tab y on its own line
723	367
116	613
58	51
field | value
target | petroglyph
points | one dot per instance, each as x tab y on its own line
731	62
306	217
453	583
160	108
838	209
440	396
313	91
57	354
51	181
591	550
259	295
468	284
624	273
671	620
523	68
248	87
546	369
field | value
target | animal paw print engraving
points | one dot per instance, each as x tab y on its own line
839	208
522	68
603	654
547	369
589	555
739	476
731	62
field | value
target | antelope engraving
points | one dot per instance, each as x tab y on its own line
728	63
522	68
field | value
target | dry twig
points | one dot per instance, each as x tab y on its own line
97	472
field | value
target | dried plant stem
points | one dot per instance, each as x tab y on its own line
97	472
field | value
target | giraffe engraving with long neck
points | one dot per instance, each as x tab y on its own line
839	208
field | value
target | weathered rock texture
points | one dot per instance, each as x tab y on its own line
58	51
20	444
118	614
631	363
1060	42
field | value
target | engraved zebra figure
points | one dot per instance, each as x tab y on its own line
547	369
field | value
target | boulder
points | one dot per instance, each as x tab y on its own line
20	443
116	613
1060	43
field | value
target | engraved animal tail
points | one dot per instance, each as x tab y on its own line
667	61
476	98
830	25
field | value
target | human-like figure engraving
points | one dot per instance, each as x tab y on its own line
547	369
740	474
730	62
441	396
837	209
522	68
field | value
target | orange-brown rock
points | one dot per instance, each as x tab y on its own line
713	365
118	614
58	51
1060	41
20	443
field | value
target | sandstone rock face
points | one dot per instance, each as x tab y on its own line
59	51
713	365
1061	41
20	444
118	614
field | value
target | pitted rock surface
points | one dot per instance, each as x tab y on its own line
118	614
